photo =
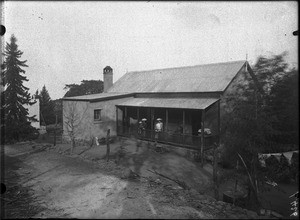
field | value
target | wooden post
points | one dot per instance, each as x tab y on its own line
138	120
167	120
152	117
123	121
55	130
202	136
107	145
183	125
219	123
215	172
117	119
126	121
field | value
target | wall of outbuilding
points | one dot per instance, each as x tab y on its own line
85	125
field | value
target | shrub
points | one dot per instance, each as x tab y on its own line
272	163
294	171
280	171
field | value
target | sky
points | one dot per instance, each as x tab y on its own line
67	42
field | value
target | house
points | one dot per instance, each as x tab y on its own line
189	100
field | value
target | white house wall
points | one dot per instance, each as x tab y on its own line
108	116
86	126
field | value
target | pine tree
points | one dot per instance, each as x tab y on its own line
16	96
46	107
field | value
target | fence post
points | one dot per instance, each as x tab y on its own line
202	137
117	125
107	144
55	130
215	171
183	126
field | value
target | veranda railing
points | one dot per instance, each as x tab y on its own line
186	140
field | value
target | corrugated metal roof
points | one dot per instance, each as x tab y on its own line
184	103
96	96
201	78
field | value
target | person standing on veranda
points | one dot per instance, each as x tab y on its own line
143	127
158	128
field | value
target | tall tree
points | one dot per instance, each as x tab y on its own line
86	87
258	120
16	96
283	105
47	114
270	70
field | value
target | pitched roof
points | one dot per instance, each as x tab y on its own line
201	78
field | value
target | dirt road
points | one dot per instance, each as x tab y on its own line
70	187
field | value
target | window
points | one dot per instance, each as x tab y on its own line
97	115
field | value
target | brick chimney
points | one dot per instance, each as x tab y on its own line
107	78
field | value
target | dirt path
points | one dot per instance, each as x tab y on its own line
83	189
70	187
18	201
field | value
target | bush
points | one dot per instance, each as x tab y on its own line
225	164
280	171
34	135
272	163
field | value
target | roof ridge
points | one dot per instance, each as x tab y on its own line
180	67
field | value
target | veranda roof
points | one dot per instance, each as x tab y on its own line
182	103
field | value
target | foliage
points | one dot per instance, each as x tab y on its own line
47	114
86	87
16	96
270	70
262	118
282	104
259	120
280	170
